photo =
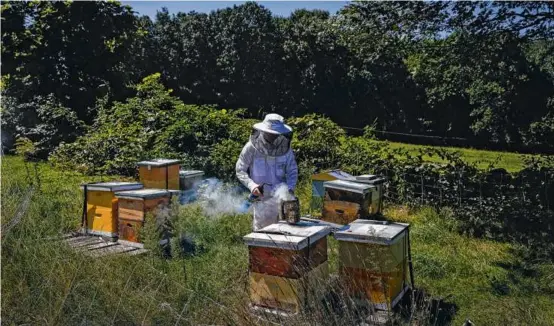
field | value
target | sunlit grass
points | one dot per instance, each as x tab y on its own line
510	161
47	283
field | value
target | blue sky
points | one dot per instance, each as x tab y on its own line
280	8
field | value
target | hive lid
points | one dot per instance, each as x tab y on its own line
288	236
370	179
112	186
352	186
370	231
336	174
143	193
158	162
190	173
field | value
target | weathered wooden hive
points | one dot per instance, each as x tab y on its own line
133	206
376	205
373	261
286	264
188	178
346	201
318	179
159	174
101	206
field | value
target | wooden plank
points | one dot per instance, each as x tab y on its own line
81	240
100	246
77	239
109	251
137	251
87	242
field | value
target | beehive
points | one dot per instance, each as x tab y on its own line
317	185
189	178
287	263
376	205
101	206
346	201
133	206
373	261
159	174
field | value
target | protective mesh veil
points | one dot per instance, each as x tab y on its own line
278	147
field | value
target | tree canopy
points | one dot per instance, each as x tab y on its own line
483	71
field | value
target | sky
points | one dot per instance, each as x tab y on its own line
279	8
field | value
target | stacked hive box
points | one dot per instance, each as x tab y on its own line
133	207
317	185
101	207
159	174
189	180
346	201
373	261
286	263
376	203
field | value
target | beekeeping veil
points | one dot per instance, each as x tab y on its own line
272	136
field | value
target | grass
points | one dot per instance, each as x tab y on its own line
512	162
44	282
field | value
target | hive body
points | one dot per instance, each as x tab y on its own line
373	261
159	174
102	207
286	269
133	207
347	201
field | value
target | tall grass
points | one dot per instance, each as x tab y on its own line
45	282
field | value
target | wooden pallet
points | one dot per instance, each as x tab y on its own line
96	246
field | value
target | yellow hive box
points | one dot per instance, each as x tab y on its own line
101	206
159	174
373	261
288	294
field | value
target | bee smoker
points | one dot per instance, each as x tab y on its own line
289	210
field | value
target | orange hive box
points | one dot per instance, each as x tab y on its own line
287	263
101	206
133	206
373	261
346	201
159	174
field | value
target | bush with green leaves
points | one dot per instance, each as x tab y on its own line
154	124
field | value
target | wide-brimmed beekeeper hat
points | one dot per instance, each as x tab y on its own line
273	124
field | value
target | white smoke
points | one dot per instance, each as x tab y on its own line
282	193
218	198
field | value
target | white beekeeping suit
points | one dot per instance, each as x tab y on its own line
268	159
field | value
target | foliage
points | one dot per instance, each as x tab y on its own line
480	71
155	124
43	120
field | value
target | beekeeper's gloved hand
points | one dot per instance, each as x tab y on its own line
256	191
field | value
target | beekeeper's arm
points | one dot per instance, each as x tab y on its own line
292	171
243	163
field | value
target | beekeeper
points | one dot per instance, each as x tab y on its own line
267	160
